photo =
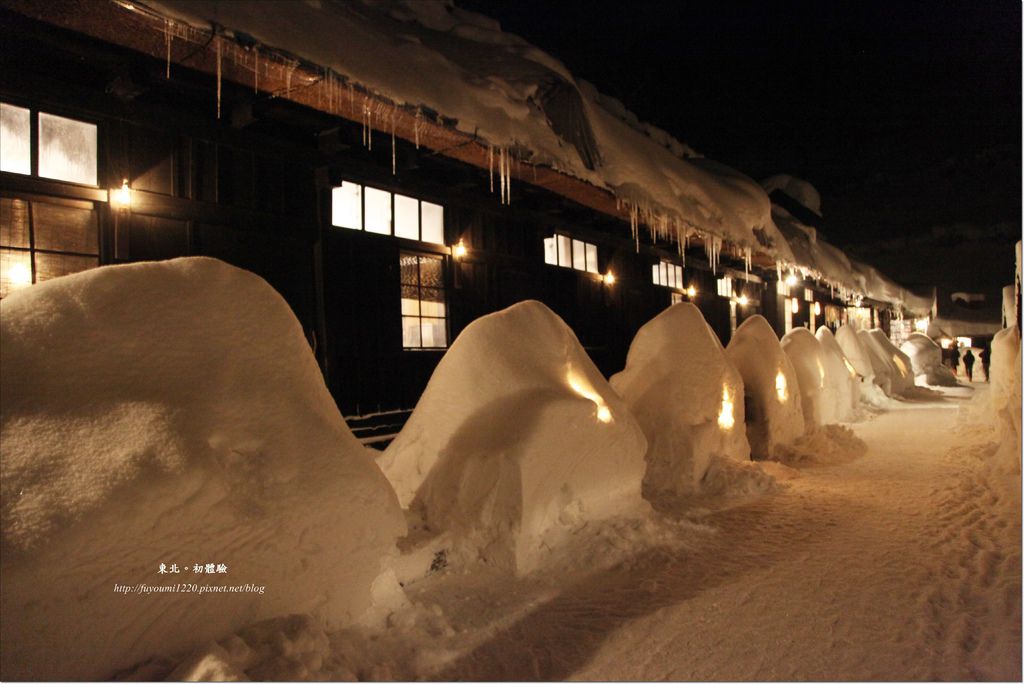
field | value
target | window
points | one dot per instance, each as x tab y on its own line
725	287
561	250
360	207
667	274
43	240
424	314
808	294
66	147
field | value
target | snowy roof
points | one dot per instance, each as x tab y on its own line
508	95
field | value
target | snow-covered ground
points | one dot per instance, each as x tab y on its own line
901	564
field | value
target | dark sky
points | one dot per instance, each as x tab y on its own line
904	115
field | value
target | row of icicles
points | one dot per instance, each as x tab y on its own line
337	95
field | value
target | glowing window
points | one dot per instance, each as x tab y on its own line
377	205
67	149
667	274
15	139
424	313
364	208
562	250
433	223
407	217
725	287
591	258
347	206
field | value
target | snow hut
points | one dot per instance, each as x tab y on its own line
147	442
855	352
893	372
517	438
840	375
808	361
771	394
687	397
926	359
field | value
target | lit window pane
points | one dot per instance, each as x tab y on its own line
378	211
15	139
550	251
65	228
431	272
433	223
663	267
15	271
67	149
409	269
411	332
410	306
347	206
407	217
579	255
432	303
592	258
13	223
55	265
564	251
656	274
434	334
679	276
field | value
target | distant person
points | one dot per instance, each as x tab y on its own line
954	359
969	365
986	356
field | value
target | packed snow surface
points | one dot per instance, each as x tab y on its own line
186	424
687	397
926	357
841	377
817	402
771	394
432	55
516	440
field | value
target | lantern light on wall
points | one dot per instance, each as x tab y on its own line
794	305
691	292
608	278
817	308
121	198
791	279
459	250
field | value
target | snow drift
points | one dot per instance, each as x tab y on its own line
926	358
804	352
840	375
185	424
771	400
516	439
1004	373
686	396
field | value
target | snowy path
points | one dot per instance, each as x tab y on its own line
903	564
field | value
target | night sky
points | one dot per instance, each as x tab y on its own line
904	115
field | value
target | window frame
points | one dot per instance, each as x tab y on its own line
419	256
34	143
363	188
590	250
668	271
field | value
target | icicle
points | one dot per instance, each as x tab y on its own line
490	165
369	132
416	134
288	81
218	79
167	41
778	270
501	172
256	70
351	99
393	160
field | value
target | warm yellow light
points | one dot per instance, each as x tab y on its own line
899	364
19	275
794	305
780	387
849	367
791	280
921	325
691	292
945	343
582	388
609	278
742	299
964	341
121	197
821	374
459	250
725	416
817	308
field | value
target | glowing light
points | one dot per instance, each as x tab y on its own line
921	325
742	299
691	292
794	305
817	308
122	196
780	387
459	250
725	417
900	365
609	278
821	374
849	367
964	341
19	275
945	343
581	387
791	280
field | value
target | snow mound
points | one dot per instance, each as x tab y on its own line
517	439
856	354
926	358
687	397
832	444
185	424
1005	381
893	368
840	376
797	188
771	398
804	352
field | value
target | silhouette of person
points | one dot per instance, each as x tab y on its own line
986	356
969	364
954	358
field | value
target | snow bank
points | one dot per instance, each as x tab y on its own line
926	358
840	376
771	395
1004	374
686	396
830	445
797	188
804	352
185	424
893	368
516	439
